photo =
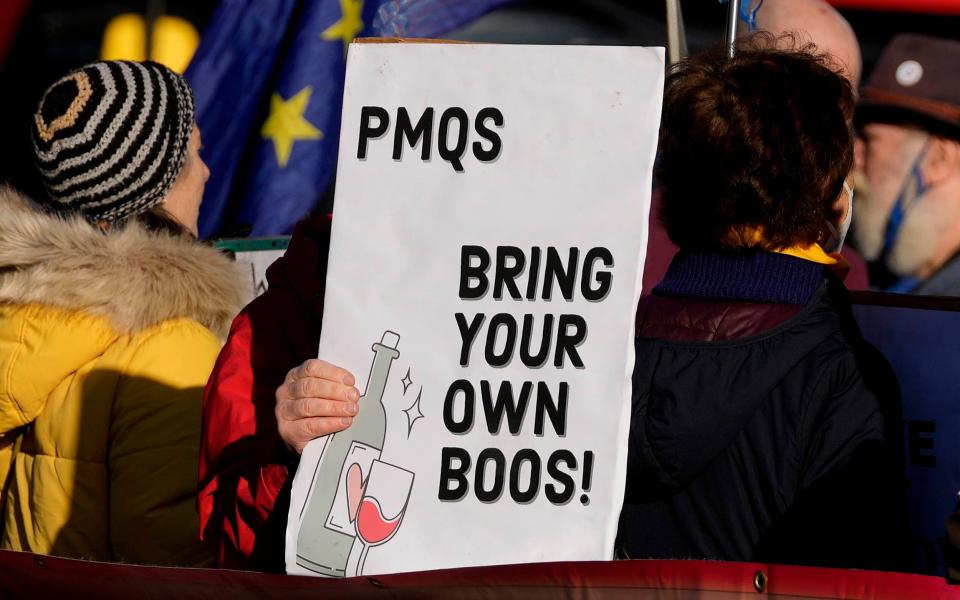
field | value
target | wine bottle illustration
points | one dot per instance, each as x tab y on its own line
328	525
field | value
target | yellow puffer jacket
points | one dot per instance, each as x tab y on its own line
106	342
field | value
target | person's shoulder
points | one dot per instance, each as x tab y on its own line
274	298
839	349
945	282
847	364
278	316
177	329
179	350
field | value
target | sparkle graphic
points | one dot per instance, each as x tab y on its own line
406	381
413	413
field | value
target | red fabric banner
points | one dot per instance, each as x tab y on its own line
941	7
24	575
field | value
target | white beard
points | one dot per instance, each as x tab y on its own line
869	219
923	227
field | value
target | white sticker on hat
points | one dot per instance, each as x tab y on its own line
909	73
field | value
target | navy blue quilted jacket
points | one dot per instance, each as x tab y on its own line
764	427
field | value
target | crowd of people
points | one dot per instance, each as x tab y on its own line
764	427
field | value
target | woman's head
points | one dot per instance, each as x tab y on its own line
117	139
182	202
757	143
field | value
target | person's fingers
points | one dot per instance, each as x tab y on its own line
316	399
321	369
305	408
304	430
312	387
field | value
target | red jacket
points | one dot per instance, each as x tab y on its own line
244	465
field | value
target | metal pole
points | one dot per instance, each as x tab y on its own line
676	36
733	16
154	10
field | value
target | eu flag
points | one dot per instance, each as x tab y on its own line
268	78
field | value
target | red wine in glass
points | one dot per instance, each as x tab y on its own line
382	507
372	526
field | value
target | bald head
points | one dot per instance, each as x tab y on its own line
818	22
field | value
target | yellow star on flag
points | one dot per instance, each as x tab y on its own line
286	124
349	25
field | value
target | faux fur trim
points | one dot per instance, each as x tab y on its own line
134	278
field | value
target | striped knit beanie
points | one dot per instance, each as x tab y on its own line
110	138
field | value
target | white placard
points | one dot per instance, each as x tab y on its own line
552	168
255	265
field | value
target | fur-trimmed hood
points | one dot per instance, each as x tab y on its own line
134	278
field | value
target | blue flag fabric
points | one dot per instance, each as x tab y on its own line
268	78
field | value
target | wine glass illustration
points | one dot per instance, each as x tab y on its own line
384	502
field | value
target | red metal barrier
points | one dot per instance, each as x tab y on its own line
24	575
11	12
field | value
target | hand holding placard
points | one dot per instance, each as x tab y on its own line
314	400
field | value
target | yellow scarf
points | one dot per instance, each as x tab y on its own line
813	253
753	236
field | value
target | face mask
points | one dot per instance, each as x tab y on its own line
914	187
835	243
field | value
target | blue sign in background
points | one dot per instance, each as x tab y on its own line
923	346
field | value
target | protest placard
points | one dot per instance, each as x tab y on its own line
254	256
489	230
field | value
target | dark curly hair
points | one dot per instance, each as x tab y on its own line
762	140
